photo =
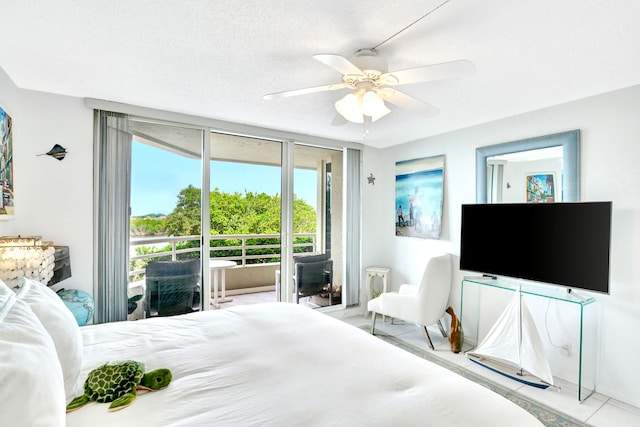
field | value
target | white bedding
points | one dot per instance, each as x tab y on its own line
280	364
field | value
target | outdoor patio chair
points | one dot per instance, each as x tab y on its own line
172	287
313	275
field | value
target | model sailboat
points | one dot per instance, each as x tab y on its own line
513	347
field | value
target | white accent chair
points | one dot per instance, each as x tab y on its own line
423	304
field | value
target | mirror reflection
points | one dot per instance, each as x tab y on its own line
542	169
533	176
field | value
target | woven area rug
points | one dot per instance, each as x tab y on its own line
547	416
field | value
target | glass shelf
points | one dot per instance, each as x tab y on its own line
586	333
531	288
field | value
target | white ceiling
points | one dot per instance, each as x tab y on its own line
216	58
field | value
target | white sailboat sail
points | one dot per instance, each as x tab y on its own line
514	340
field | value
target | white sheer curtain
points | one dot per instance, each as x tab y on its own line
112	166
353	219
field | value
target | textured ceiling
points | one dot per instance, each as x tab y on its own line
217	58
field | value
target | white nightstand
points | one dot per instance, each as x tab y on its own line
381	272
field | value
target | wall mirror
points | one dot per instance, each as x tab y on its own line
540	169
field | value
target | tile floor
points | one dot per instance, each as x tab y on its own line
255	298
598	410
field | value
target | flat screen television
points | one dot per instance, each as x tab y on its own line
563	244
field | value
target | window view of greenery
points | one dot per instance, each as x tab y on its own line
231	214
244	206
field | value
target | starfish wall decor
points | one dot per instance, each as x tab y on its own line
371	179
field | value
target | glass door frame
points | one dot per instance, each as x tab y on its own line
207	125
205	218
205	232
286	222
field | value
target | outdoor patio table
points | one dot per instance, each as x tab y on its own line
218	268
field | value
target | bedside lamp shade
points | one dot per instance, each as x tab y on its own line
28	257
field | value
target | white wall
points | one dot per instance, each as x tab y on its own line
609	157
53	199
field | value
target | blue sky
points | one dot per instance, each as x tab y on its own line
157	177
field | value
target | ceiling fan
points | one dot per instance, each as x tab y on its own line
371	84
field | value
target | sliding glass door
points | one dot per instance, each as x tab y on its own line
264	201
245	208
318	216
165	220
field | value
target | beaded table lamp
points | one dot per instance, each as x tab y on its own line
26	257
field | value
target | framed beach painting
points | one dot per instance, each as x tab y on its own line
540	188
6	166
419	197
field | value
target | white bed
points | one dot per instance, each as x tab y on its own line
273	364
282	364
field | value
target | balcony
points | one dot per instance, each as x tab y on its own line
255	271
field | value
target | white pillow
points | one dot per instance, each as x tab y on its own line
58	320
31	385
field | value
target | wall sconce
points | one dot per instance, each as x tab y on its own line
28	257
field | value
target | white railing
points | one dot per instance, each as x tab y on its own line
243	247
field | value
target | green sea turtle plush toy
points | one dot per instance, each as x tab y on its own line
117	382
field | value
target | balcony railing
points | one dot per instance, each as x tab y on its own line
242	253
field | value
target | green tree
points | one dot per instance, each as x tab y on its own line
304	216
230	213
234	213
185	218
147	226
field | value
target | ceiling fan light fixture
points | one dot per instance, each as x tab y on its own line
349	108
373	106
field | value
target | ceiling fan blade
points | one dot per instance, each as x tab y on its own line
444	70
407	102
338	63
304	91
338	120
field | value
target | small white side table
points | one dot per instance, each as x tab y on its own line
218	267
381	272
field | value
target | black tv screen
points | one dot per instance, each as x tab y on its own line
558	243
